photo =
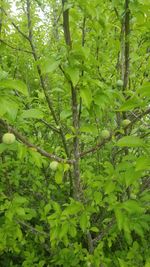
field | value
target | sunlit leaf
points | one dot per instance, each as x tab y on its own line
14	84
32	113
50	65
130	141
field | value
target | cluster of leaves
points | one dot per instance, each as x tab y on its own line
42	222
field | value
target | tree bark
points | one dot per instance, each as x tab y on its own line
75	116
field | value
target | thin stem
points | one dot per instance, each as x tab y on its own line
50	126
31	228
127	43
15	48
49	102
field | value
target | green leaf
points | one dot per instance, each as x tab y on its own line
22	151
11	147
35	157
144	90
72	230
3	147
143	163
19	199
131	104
94	229
130	141
20	211
32	113
65	114
147	264
14	84
122	263
50	65
144	2
89	129
67	6
41	263
3	74
101	99
132	206
59	176
69	136
138	229
64	230
86	96
3	106
120	218
73	208
84	221
109	187
74	75
98	197
47	208
8	107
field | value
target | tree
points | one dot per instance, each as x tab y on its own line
75	182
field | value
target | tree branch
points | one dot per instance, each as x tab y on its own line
103	142
75	118
24	140
66	28
49	102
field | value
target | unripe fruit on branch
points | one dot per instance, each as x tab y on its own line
125	122
54	165
8	138
119	83
105	134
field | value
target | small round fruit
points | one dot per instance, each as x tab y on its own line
119	83
54	165
35	80
105	134
8	138
125	122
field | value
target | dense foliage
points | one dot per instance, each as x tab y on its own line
74	133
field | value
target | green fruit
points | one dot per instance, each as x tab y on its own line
36	80
126	122
105	134
54	165
8	138
119	83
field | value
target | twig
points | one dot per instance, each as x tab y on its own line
139	117
31	228
102	234
50	126
15	48
127	43
82	73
